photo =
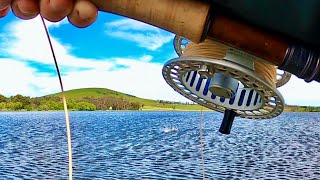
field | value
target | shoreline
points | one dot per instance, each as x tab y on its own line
146	110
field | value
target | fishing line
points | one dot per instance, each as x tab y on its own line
201	147
214	50
63	99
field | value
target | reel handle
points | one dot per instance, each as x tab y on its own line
227	121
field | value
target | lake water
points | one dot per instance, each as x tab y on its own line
132	145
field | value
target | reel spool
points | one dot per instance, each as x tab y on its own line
180	44
225	80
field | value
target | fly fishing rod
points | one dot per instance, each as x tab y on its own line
200	20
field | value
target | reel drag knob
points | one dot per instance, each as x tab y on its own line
223	86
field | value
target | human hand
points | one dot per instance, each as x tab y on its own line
80	13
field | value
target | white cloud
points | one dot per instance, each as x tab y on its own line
17	78
146	58
57	24
26	40
298	92
141	79
144	35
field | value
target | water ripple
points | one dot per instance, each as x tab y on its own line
132	145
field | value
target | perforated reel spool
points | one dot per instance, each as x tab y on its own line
254	97
180	43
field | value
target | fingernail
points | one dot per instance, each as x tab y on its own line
21	8
82	16
3	8
4	4
4	12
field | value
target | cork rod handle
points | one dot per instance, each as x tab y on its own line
184	17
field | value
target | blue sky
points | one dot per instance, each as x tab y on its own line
115	52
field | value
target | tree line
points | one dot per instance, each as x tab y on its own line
47	103
308	109
175	102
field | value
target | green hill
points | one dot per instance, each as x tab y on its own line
147	103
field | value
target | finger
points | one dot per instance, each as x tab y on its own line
4	4
83	14
55	10
25	9
4	12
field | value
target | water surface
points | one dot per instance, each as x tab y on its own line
132	145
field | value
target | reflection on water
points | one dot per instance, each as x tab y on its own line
169	129
131	145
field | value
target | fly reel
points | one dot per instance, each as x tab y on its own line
225	80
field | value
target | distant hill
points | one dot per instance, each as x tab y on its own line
147	103
152	104
91	99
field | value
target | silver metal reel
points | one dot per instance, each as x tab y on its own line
254	99
180	43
